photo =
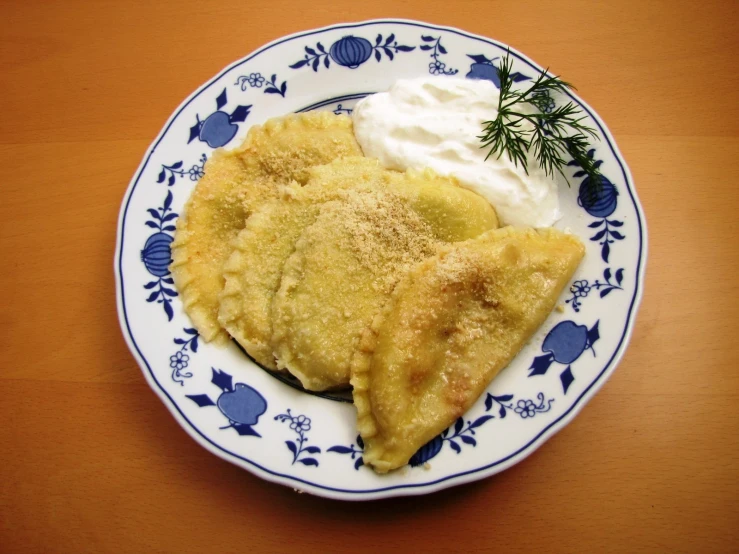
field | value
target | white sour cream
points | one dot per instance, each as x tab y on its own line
435	122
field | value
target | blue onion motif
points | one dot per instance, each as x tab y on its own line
564	344
598	201
241	404
299	424
351	51
157	254
218	128
427	451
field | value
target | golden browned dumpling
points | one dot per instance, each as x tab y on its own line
235	184
453	322
346	264
252	273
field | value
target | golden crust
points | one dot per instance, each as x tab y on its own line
235	184
337	278
452	323
253	272
211	217
346	264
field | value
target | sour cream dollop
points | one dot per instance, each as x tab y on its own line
435	122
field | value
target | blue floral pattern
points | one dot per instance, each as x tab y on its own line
241	404
524	407
460	434
300	424
351	52
433	45
580	289
457	436
180	360
544	102
157	255
607	235
169	172
257	80
341	110
198	401
354	450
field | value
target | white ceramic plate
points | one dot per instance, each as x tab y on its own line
244	414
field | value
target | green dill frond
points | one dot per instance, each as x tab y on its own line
551	134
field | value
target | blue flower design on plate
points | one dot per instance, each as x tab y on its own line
157	255
354	450
461	433
436	67
300	425
544	102
180	360
256	80
169	172
564	344
581	289
337	477
524	407
241	404
218	128
341	110
351	52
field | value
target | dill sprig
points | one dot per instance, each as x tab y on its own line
551	133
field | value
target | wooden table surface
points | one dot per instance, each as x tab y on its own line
91	460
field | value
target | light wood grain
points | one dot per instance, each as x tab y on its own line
91	461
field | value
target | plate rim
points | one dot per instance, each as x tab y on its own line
407	489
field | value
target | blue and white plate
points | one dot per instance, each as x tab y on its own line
244	414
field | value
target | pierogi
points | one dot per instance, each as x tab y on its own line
235	184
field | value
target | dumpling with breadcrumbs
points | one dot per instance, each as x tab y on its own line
235	184
346	264
453	322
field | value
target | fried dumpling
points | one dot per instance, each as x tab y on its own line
252	273
453	322
235	184
346	264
